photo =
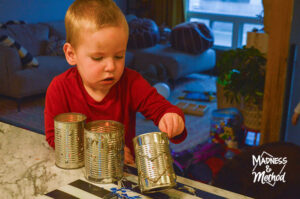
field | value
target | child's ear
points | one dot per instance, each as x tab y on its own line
70	54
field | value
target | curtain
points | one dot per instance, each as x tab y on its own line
167	12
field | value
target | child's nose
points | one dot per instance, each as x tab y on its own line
110	65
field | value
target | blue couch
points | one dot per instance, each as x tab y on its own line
163	59
160	61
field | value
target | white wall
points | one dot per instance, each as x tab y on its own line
33	11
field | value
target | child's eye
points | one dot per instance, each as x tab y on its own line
119	57
97	58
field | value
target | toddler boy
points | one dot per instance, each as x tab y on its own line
99	86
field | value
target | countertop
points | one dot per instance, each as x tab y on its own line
27	168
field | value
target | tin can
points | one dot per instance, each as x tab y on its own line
104	151
69	130
154	162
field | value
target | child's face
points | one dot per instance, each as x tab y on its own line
100	57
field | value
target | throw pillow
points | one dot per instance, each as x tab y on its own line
192	37
33	37
10	22
55	46
143	33
130	17
26	58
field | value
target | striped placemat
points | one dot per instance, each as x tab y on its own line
81	188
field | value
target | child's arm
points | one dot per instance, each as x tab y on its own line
152	105
296	114
54	105
295	118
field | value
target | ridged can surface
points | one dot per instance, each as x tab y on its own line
69	131
154	162
104	151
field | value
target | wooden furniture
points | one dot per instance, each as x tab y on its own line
278	20
192	108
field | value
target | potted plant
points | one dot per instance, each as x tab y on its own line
241	78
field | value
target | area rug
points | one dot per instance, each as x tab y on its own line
31	116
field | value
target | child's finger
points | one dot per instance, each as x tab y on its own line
181	125
128	156
128	159
178	126
174	126
163	126
126	149
168	122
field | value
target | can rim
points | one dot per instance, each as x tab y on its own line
102	121
145	134
69	113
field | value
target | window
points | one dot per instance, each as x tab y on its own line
222	33
230	20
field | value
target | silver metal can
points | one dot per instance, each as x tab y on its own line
69	130
154	162
104	151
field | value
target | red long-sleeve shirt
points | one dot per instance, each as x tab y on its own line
131	94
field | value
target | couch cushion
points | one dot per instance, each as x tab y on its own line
55	46
32	36
34	81
28	82
57	28
177	63
9	64
4	25
143	33
52	65
192	37
129	58
4	31
26	58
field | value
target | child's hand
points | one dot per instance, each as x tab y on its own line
128	158
172	124
295	118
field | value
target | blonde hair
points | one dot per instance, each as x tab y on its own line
93	15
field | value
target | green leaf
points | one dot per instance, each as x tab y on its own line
242	74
